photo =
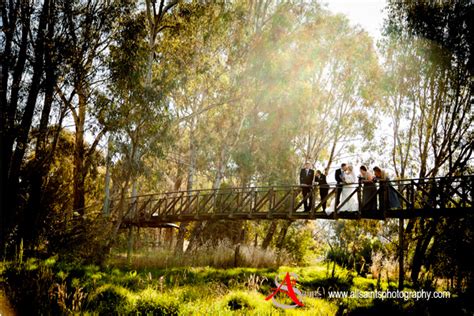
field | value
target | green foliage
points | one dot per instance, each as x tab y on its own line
31	284
110	299
299	243
315	306
353	244
239	301
364	284
454	240
150	302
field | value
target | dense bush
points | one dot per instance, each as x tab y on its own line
29	286
110	299
358	259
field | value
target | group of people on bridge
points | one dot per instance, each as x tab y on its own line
374	197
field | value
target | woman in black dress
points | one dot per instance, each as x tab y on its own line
369	190
388	198
323	186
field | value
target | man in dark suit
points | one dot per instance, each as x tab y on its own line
323	187
306	182
339	179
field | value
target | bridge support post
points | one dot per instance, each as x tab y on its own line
401	272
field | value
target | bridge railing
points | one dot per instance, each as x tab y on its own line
412	195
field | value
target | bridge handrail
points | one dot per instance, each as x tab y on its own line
294	186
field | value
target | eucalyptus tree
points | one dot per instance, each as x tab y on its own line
32	58
138	98
205	100
58	56
340	73
89	28
429	98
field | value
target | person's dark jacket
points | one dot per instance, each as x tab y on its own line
338	176
321	180
306	177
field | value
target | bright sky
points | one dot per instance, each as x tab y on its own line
367	13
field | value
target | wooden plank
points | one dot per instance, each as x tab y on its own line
320	205
427	194
403	198
156	207
170	206
190	201
139	211
205	200
225	207
419	198
283	199
259	204
346	200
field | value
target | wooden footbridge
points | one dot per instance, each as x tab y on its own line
429	197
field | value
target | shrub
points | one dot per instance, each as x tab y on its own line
27	286
110	299
130	280
150	302
239	301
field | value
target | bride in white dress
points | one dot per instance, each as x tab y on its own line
349	186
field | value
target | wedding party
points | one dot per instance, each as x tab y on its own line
377	193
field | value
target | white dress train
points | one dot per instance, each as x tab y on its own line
347	189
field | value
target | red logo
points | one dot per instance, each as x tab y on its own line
287	286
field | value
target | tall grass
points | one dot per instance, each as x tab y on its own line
223	255
383	266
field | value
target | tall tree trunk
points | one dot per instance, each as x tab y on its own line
190	183
269	236
35	212
8	108
105	208
221	166
27	118
282	235
333	149
79	153
420	250
194	241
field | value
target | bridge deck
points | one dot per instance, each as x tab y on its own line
432	197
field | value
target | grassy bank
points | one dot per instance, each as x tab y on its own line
52	287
